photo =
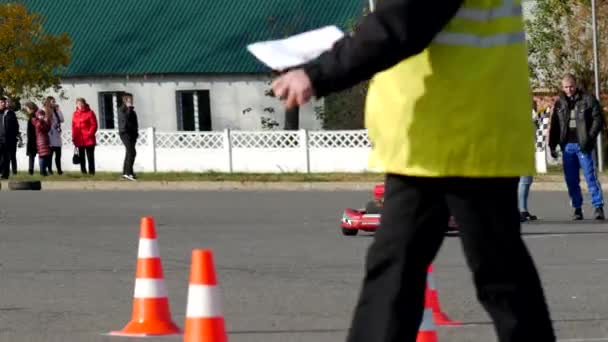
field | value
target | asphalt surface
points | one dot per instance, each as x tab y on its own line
67	264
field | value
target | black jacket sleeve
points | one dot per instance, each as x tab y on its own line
122	120
396	30
554	128
597	117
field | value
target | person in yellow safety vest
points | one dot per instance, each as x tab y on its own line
448	113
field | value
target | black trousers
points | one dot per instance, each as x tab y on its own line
130	154
5	160
411	232
55	151
89	153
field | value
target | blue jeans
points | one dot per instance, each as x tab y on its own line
574	159
525	182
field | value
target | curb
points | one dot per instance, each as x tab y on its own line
238	186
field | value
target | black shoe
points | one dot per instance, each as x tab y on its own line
526	216
59	172
578	214
598	214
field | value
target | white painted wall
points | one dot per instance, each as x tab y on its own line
155	99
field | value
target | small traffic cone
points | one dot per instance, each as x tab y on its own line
204	317
439	317
151	315
427	331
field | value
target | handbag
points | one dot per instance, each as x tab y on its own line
76	157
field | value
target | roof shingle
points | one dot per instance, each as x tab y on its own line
118	37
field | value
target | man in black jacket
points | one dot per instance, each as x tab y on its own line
128	128
449	41
576	122
9	129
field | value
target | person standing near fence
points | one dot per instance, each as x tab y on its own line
30	147
442	93
56	119
40	121
9	130
128	128
10	105
525	182
84	129
576	122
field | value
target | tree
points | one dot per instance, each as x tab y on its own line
346	109
560	40
30	59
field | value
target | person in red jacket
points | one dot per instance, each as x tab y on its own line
84	128
40	121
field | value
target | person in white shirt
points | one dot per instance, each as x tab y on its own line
56	119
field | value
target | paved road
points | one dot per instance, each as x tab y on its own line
67	264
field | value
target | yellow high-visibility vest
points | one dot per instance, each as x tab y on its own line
462	106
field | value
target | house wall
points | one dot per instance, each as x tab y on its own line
155	100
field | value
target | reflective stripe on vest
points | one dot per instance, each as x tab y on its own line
508	10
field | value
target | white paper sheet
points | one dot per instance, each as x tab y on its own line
295	50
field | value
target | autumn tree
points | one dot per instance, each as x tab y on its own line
30	58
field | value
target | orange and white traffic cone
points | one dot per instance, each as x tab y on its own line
151	315
439	317
204	317
427	331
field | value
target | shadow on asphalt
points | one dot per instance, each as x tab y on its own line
455	234
566	222
286	331
327	331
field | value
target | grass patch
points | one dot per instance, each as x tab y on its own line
210	177
242	177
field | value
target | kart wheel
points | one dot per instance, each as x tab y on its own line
372	208
349	232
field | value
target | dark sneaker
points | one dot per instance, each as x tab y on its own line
578	214
598	214
528	216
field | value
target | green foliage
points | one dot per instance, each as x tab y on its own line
346	109
560	40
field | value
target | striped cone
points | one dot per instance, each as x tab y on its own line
439	317
427	331
204	317
151	315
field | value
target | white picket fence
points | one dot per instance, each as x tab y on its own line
228	151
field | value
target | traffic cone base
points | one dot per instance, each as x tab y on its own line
427	332
211	328
439	317
156	311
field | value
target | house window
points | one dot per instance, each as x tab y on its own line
193	110
109	102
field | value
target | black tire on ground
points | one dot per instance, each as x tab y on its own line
25	185
349	232
372	208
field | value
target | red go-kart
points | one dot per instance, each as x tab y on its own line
368	219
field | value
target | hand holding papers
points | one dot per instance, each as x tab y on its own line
295	50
